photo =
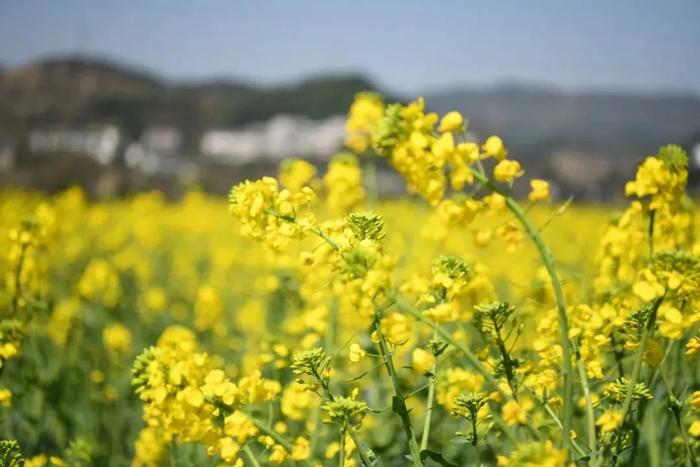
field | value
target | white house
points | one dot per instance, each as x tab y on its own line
99	142
280	137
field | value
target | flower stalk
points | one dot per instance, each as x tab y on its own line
548	260
398	403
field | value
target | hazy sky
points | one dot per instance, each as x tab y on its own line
404	45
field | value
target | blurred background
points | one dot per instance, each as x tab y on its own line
126	96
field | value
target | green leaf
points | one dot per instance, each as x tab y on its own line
435	457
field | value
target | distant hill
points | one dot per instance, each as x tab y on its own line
73	91
536	121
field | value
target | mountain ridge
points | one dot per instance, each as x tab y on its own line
533	119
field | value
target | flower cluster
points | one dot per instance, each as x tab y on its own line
357	330
365	112
268	213
187	399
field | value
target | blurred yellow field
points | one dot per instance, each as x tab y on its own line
304	322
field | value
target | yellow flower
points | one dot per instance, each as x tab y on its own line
155	299
495	202
460	176
513	413
366	110
692	346
100	283
8	350
452	121
218	386
332	450
423	360
648	287
96	376
534	454
301	449
117	338
280	427
239	427
540	190
443	312
42	460
493	147
343	182
356	352
267	441
229	450
483	237
36	461
268	213
278	454
193	396
671	324
507	170
62	319
396	328
5	397
694	429
208	309
296	173
610	420
512	234
296	401
149	447
695	400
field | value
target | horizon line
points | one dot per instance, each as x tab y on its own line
504	83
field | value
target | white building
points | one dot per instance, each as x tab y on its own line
100	142
7	157
162	139
280	137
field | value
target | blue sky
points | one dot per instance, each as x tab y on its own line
407	46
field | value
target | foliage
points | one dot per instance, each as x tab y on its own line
355	331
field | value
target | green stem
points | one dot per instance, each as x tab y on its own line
364	455
548	261
475	438
371	187
18	276
677	410
475	442
505	358
326	238
651	232
398	402
428	415
590	416
653	440
430	403
315	230
445	334
279	439
341	462
316	416
329	344
251	456
550	411
471	358
649	325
